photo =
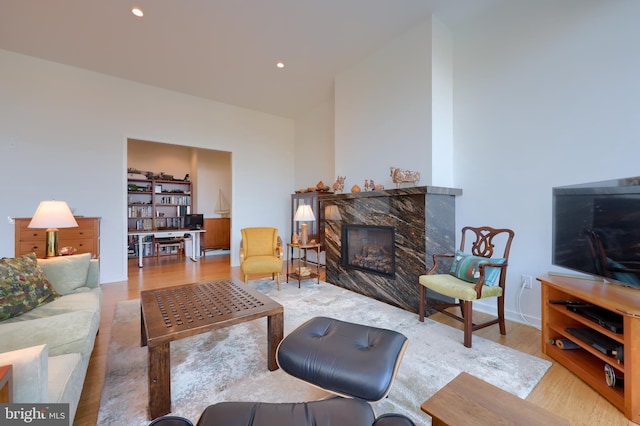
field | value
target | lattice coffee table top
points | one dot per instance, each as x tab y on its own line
175	312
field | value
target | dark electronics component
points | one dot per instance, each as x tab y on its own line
194	221
598	341
564	344
596	229
607	319
611	378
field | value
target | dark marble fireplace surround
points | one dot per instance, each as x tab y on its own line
423	218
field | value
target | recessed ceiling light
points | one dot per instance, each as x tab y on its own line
137	11
280	64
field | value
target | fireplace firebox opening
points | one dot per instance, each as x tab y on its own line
369	248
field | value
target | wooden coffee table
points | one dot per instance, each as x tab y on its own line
467	400
6	384
174	313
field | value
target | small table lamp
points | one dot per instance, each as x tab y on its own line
332	213
52	215
304	214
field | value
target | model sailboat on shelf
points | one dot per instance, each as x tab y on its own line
222	205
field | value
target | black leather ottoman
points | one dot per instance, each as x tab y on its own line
335	411
351	360
343	358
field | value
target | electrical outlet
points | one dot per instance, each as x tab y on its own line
527	281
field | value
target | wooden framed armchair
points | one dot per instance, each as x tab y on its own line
474	274
261	253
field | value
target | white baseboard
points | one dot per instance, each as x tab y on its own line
220	252
511	316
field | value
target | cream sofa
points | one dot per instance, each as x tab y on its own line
50	346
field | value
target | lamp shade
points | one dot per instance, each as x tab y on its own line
53	214
304	214
332	213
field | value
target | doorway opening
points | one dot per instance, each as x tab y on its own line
196	178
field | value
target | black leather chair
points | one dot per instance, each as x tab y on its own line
358	363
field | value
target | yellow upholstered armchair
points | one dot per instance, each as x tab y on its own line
475	274
261	252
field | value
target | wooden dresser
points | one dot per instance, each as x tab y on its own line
85	238
218	235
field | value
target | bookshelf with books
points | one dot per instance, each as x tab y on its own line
133	246
155	205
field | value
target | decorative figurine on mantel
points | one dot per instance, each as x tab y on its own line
321	187
338	185
369	185
400	176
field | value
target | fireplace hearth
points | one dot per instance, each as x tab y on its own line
390	238
369	249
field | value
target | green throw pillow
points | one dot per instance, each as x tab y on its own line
467	268
66	273
23	286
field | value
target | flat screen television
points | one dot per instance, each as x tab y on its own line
596	229
194	221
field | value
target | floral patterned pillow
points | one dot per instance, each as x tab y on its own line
23	286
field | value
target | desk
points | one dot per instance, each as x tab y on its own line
296	271
176	233
467	400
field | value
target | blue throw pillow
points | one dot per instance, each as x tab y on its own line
467	268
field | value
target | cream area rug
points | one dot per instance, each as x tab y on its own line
231	364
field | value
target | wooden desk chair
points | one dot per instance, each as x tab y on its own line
170	242
474	275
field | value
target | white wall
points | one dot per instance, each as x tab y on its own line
442	105
214	175
315	150
63	135
546	94
383	111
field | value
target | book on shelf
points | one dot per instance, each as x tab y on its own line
174	199
133	211
183	210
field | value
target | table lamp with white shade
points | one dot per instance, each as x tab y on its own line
52	215
332	212
304	214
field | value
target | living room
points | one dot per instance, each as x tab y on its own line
541	95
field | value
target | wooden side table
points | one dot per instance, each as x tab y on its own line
301	248
6	384
467	400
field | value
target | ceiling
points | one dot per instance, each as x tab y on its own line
225	50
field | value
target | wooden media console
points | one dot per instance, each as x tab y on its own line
589	361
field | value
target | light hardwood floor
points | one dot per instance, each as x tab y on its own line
559	391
